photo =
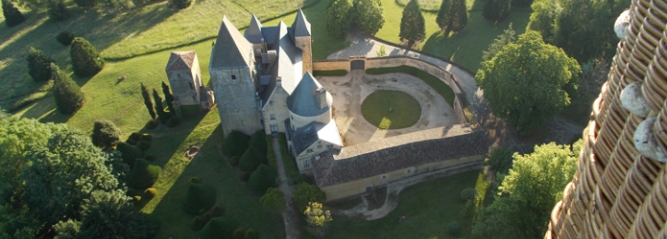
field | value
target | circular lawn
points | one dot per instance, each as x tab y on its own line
390	109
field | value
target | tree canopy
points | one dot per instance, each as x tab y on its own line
337	17
369	15
508	36
452	16
305	193
273	200
86	60
67	94
528	193
412	24
528	82
12	14
105	134
317	218
39	65
496	10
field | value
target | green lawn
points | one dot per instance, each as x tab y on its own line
434	82
428	208
389	109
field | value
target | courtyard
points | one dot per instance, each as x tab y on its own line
350	91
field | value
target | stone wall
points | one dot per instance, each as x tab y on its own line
330	65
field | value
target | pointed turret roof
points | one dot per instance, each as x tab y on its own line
181	60
231	48
304	100
301	26
254	32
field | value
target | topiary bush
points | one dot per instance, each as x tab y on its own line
67	94
143	175
206	217
197	223
86	60
217	211
105	134
245	176
251	234
239	233
57	10
258	140
173	122
219	227
12	14
454	228
262	179
39	65
251	159
136	199
150	158
135	136
152	124
65	38
235	144
199	197
195	180
150	193
181	4
129	153
146	137
234	161
468	194
144	145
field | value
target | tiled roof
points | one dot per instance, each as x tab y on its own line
181	60
231	48
303	101
383	156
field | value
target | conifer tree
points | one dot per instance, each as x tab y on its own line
337	16
496	10
369	15
86	59
158	107
67	93
39	65
147	101
12	14
453	16
169	98
412	24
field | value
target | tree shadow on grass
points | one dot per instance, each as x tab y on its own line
241	204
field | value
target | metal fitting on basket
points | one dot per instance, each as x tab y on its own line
646	143
622	24
632	100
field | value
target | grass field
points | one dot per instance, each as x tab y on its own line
388	109
441	87
428	208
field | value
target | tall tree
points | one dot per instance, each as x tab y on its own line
158	107
39	65
412	24
338	21
452	16
86	60
12	14
508	36
369	15
105	134
147	101
169	98
528	82
496	10
66	92
528	193
543	18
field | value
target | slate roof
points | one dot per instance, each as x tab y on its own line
254	32
301	26
307	135
231	48
303	101
379	157
181	60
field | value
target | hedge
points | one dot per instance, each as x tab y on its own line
251	159
235	144
198	198
144	174
262	179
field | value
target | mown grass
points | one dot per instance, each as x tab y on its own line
428	207
388	109
441	87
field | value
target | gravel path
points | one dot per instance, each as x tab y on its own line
290	216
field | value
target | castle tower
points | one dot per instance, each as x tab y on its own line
233	76
184	77
302	40
620	188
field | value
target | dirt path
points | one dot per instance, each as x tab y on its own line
290	216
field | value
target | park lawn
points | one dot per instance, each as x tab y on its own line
388	109
428	207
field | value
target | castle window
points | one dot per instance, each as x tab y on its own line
309	151
305	164
273	117
329	146
233	77
190	85
384	177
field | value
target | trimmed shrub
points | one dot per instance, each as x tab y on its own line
305	193
197	223
86	60
105	134
239	233
251	159
454	228
146	137
258	140
234	161
173	122
245	176
135	136
136	199
66	92
39	65
468	194
181	4
206	217
150	193
195	180
219	227
150	158
217	211
129	153
143	175
152	124
235	144
144	145
198	198
12	14
57	10
251	234
262	179
65	38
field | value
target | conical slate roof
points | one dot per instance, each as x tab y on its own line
304	100
301	26
181	60
254	32
231	48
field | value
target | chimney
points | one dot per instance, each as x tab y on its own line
321	97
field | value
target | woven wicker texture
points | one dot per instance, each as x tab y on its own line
617	192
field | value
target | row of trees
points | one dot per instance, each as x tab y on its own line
170	117
366	14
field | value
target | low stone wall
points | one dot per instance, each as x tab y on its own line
395	61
